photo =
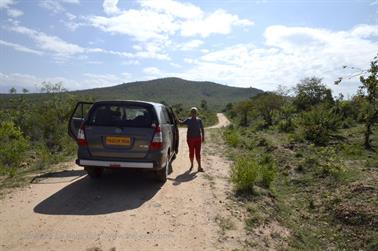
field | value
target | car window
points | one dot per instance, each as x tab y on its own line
166	116
121	115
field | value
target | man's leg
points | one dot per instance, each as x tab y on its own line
191	152
198	154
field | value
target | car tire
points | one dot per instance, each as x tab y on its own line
169	166
162	174
94	172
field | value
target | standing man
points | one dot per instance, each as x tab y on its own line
195	136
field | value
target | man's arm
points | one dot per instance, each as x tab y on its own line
202	131
181	122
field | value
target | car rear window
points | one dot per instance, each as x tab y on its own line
121	115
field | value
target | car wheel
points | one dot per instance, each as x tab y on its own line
162	174
169	166
94	172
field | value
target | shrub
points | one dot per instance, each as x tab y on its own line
330	162
285	125
268	170
248	172
232	137
244	174
13	144
318	124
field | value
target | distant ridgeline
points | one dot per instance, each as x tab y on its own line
170	90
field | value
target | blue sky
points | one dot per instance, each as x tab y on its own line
87	44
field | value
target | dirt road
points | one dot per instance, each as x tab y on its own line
124	210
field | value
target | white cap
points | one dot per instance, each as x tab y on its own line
194	108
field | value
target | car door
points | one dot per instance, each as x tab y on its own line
77	117
174	128
120	130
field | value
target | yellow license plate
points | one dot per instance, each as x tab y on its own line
118	141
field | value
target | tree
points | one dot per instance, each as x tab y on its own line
203	104
48	87
244	108
24	90
370	84
266	104
369	91
311	92
228	107
12	90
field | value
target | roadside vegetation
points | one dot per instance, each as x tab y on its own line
33	130
34	133
308	162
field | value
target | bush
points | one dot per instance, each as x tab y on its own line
318	124
13	144
248	172
268	170
244	174
41	128
330	162
232	137
285	125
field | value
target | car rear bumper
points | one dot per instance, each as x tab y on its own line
115	164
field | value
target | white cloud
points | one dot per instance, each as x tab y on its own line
365	31
218	22
70	1
190	45
51	5
155	22
72	22
161	19
175	65
142	25
6	3
49	43
94	80
56	6
289	54
152	71
33	83
178	9
11	12
19	47
18	81
62	50
131	62
190	61
14	13
110	7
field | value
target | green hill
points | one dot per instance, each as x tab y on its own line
174	91
170	90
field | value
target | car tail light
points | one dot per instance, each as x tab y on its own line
157	140
81	140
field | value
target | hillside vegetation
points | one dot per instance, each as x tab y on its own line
170	90
306	166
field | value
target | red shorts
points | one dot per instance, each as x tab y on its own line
194	147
